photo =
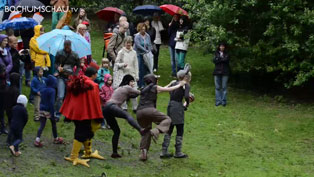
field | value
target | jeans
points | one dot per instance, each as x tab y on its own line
142	70
60	94
21	71
173	60
180	59
56	16
156	56
27	75
221	88
52	61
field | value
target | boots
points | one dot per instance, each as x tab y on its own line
179	153
75	153
165	145
143	156
88	151
155	133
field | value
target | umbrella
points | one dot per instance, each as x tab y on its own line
107	13
53	41
29	3
172	10
18	23
146	10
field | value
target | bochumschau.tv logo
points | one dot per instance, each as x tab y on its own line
42	9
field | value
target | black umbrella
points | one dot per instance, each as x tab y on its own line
29	3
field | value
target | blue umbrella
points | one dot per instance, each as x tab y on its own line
53	41
18	23
147	10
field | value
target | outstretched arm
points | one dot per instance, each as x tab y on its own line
169	89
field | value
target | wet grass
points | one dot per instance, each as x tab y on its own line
253	136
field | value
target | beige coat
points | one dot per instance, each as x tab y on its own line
128	57
115	45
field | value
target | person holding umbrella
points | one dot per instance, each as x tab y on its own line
172	31
66	59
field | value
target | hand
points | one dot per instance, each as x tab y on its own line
182	83
60	69
82	64
56	74
38	93
125	65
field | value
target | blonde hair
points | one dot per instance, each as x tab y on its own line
80	26
140	26
105	61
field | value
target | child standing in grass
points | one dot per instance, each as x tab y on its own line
176	112
106	92
18	122
48	94
37	84
105	63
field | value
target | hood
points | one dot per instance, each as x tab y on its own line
22	99
106	77
15	79
51	81
36	70
2	37
37	30
150	78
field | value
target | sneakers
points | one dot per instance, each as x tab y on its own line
36	119
38	144
58	140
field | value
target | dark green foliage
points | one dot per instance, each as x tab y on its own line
264	36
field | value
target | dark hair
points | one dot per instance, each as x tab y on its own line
90	71
126	80
9	31
150	79
220	44
67	42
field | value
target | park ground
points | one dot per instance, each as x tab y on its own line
254	135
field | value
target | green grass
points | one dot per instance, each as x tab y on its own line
253	136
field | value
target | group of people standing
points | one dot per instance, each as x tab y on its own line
87	94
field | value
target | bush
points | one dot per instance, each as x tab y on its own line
264	36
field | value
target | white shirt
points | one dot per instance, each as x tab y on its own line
158	27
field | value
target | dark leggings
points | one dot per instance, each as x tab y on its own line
83	130
111	111
180	129
43	124
15	138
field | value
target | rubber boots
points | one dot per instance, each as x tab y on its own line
165	145
75	153
178	145
88	151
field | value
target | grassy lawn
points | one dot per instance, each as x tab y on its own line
253	136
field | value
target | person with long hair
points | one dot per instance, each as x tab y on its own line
113	109
182	43
147	112
221	74
81	17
